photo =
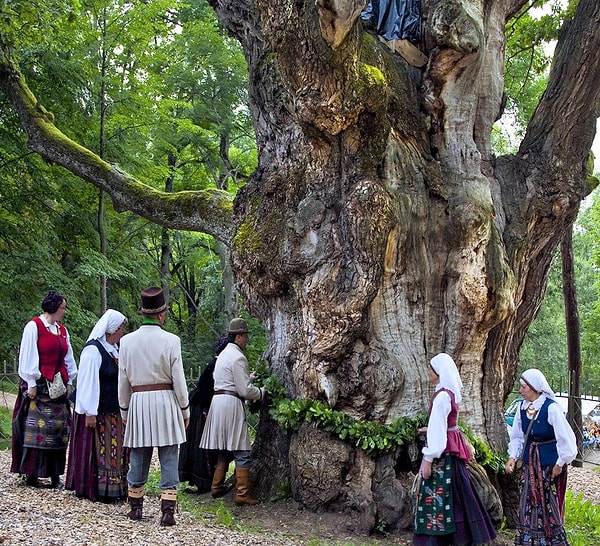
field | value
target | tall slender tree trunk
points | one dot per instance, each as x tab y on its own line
102	143
573	337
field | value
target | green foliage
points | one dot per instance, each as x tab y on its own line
157	88
529	36
545	345
371	436
223	514
153	483
283	491
483	454
5	427
582	521
24	24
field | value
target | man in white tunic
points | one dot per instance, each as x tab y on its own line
154	404
226	428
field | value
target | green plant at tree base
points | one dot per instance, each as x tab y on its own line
582	521
372	436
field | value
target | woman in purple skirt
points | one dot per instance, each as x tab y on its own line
449	510
98	461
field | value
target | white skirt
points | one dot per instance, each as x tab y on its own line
154	420
226	427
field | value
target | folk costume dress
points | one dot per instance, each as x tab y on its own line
98	461
550	442
449	510
41	427
153	392
226	428
196	465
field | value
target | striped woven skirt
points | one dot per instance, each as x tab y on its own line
540	514
98	462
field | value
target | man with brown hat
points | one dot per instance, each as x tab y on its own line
154	402
226	428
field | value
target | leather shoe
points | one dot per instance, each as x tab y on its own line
32	481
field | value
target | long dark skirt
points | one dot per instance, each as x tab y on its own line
196	466
98	462
540	513
40	434
472	521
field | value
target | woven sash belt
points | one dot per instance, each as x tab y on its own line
230	393
153	387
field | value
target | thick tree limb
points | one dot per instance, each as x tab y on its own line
565	119
207	211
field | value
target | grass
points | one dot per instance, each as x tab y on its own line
216	511
582	521
5	428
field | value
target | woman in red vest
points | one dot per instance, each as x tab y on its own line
42	414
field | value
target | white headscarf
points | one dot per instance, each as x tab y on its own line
444	366
108	324
537	381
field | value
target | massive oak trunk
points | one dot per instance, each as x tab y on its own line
379	229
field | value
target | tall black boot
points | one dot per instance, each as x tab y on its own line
168	502
135	497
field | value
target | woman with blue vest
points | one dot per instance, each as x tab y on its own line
543	439
98	462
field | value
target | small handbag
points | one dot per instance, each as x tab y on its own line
56	387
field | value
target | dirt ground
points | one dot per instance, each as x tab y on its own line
68	521
56	517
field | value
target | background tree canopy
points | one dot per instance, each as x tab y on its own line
157	88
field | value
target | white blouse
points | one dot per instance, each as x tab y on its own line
566	445
88	382
437	427
29	358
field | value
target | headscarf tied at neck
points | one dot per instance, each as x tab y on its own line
221	344
446	369
537	381
108	324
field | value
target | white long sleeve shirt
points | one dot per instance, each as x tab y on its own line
88	381
437	427
29	358
566	445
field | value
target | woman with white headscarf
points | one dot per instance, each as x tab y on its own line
542	438
449	510
97	459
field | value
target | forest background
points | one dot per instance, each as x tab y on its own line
159	89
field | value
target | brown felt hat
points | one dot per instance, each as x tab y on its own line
153	301
238	326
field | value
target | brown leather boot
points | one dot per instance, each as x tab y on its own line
219	487
168	502
135	497
242	496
